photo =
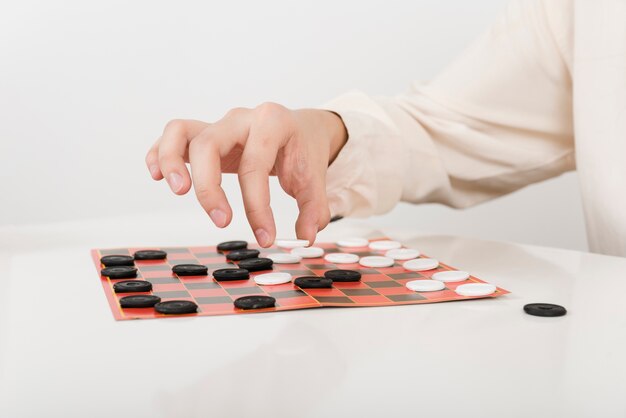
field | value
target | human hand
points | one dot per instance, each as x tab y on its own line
295	145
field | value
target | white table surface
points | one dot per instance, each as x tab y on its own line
63	355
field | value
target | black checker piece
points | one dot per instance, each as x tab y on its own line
119	272
176	307
544	309
117	260
231	246
131	286
343	275
256	264
255	302
190	270
239	255
139	301
150	255
225	275
313	282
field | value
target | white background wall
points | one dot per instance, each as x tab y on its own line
86	87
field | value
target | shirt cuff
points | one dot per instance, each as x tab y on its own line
353	178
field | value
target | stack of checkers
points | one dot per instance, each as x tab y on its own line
207	280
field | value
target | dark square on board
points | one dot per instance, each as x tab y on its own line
359	292
384	284
206	300
399	276
406	298
252	290
288	294
201	285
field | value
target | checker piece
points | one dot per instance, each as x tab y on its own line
139	301
284	258
131	286
255	302
117	260
190	270
256	264
341	258
425	285
238	255
176	307
343	275
313	282
375	261
150	255
421	264
231	246
227	275
274	278
119	272
308	252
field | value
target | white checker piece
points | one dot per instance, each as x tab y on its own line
269	279
425	285
353	242
421	264
375	261
341	258
475	289
284	258
384	245
451	276
292	243
308	252
402	254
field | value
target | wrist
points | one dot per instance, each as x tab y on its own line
337	132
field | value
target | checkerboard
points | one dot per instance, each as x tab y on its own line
378	287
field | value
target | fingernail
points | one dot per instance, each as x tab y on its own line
154	171
218	217
262	237
175	181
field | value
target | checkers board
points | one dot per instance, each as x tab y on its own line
378	287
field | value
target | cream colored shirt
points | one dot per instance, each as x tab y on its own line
541	93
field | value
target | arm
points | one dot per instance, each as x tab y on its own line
497	119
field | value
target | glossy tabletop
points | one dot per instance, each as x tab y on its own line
63	355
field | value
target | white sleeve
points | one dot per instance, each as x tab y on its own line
497	119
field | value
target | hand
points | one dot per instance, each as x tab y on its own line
295	145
